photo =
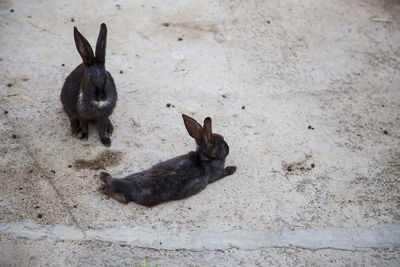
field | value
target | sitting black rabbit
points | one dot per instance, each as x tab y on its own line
89	93
176	178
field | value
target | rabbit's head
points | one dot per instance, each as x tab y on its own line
209	145
94	84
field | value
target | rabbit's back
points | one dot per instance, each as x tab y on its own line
173	179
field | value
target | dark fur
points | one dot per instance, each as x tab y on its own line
87	86
177	178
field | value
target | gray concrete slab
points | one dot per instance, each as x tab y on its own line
306	94
362	238
19	252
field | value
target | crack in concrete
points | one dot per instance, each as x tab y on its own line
48	178
353	239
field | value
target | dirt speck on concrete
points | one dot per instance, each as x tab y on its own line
298	167
105	159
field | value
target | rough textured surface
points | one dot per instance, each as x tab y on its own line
362	238
307	95
19	252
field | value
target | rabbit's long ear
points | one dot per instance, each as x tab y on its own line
101	44
84	48
193	127
207	131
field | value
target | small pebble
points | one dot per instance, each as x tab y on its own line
166	24
243	107
180	39
121	71
168	105
312	165
268	21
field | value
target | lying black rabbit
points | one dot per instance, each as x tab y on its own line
89	93
176	178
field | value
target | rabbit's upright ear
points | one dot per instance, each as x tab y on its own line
101	44
84	48
193	127
207	131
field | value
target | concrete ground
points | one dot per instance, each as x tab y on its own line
306	93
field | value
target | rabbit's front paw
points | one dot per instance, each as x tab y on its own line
77	133
84	136
110	128
230	170
106	141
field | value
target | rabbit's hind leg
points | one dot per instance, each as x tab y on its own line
108	190
106	177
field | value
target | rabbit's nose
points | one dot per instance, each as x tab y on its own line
100	95
103	96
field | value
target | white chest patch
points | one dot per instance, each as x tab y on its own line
98	104
101	104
